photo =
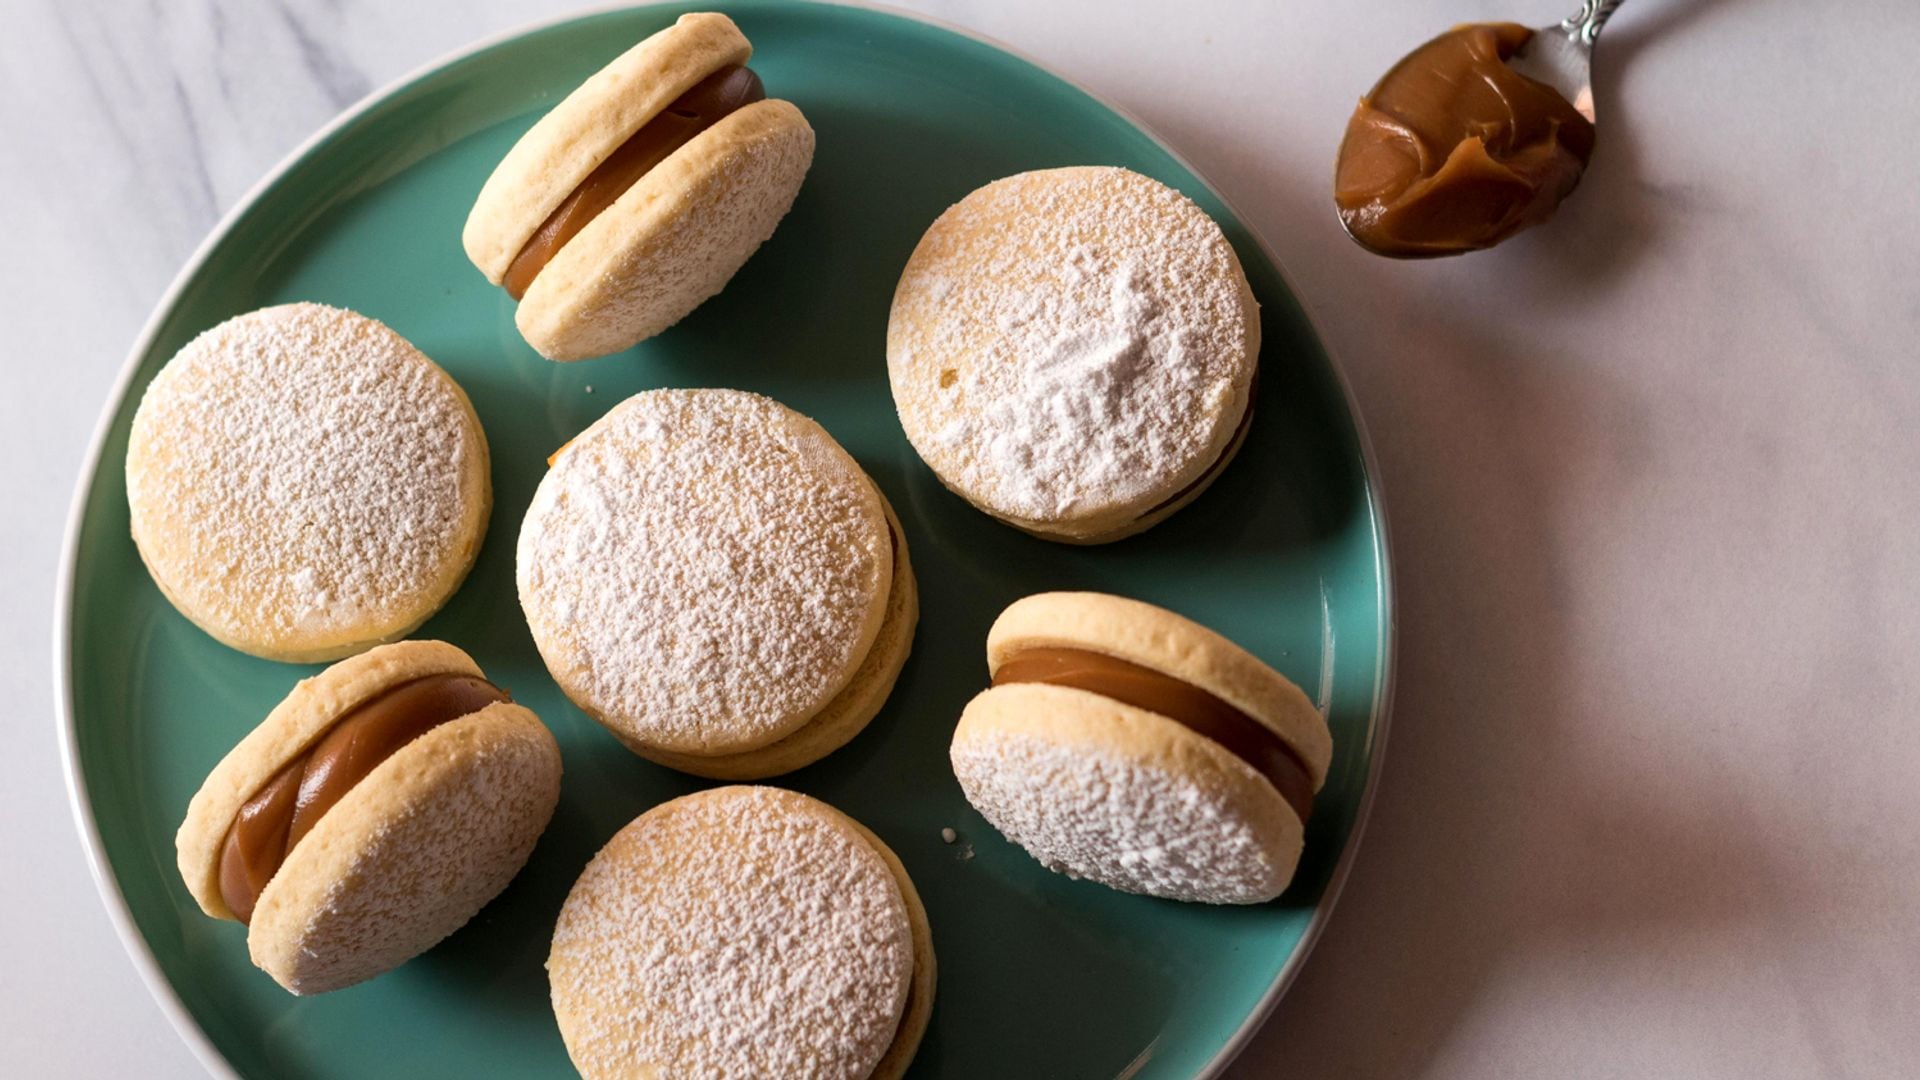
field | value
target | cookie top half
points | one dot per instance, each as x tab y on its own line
303	483
1072	346
704	570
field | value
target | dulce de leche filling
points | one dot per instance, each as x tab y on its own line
287	807
1454	150
706	104
1182	702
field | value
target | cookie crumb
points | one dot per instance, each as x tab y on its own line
948	836
589	388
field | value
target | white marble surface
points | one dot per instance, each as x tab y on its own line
1651	805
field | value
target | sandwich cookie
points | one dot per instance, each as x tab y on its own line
372	813
1073	351
640	194
742	932
304	484
1127	745
713	579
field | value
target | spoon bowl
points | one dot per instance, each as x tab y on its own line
1470	138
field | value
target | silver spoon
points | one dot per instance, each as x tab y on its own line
1562	56
1558	58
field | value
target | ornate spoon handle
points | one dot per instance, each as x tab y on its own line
1584	25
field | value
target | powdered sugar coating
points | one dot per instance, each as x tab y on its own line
703	570
411	853
674	239
1071	343
302	480
737	932
1092	812
564	146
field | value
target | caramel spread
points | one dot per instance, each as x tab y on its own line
693	112
283	811
1454	151
1188	705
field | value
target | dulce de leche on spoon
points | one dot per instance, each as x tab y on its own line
1454	150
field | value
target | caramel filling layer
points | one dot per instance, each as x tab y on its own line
693	112
287	807
1182	702
1455	150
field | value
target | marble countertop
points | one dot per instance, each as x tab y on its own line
1651	805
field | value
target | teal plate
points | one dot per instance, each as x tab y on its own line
1039	976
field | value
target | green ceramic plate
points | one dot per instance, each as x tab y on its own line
1039	976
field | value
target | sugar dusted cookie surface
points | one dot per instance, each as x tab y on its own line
1073	351
706	571
1123	743
1123	797
303	483
737	932
672	237
564	145
674	240
407	853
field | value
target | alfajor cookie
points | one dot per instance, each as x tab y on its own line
1074	351
304	484
1130	746
372	813
742	932
641	194
713	579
